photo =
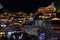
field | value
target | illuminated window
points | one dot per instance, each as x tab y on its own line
3	25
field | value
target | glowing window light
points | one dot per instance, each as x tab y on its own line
3	25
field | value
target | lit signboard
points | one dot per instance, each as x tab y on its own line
42	36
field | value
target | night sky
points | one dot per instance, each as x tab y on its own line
24	5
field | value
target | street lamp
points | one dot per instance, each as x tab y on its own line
1	6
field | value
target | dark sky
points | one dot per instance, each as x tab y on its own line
24	5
